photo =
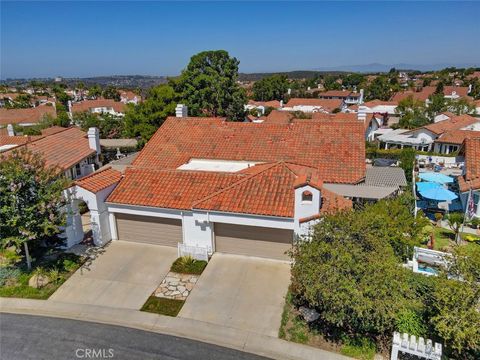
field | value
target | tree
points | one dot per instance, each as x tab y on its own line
455	305
437	105
380	88
209	86
455	221
461	106
94	92
413	113
407	162
353	80
439	88
142	120
109	126
350	274
30	200
22	101
111	92
330	83
270	88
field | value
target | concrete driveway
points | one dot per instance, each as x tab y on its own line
124	276
240	292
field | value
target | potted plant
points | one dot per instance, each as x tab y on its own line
438	218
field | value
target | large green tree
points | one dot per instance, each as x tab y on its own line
270	88
380	88
30	200
208	85
413	113
142	120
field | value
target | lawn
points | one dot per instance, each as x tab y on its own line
188	265
294	328
14	279
163	306
445	239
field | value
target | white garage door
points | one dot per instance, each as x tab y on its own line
253	240
148	229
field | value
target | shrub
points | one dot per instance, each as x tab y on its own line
410	322
8	275
188	265
438	217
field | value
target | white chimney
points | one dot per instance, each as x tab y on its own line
281	103
362	113
289	91
10	131
94	139
469	89
181	110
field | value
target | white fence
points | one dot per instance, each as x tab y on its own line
409	345
199	253
448	161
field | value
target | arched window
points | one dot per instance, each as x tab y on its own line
307	196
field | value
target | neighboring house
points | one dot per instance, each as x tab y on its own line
424	137
348	97
477	107
386	109
98	106
449	92
214	185
129	97
260	106
470	180
314	105
452	141
75	152
25	117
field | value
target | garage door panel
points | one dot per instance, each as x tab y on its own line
253	240
149	229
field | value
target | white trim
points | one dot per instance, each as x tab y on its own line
145	211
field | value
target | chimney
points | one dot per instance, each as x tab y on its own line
281	103
469	89
289	91
360	101
181	110
94	139
362	113
10	131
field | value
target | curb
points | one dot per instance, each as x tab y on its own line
242	340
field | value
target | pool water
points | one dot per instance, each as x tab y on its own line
427	269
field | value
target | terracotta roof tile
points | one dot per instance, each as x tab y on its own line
326	104
99	180
25	116
453	123
335	148
278	117
471	179
86	105
457	136
271	103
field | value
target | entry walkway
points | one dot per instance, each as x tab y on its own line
123	276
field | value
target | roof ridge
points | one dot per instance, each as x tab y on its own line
94	173
222	173
241	181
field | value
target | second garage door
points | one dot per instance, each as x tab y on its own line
148	229
253	240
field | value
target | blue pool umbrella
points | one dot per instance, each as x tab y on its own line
426	185
438	193
436	177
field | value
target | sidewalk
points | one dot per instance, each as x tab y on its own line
197	330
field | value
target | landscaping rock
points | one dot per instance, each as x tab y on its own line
176	286
38	281
308	314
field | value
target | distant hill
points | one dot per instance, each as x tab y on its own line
376	67
299	74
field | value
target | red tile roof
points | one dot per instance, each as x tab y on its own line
25	116
52	130
419	95
336	148
16	140
278	117
453	123
457	136
471	179
100	180
271	103
63	149
86	105
377	102
336	93
171	189
327	104
461	91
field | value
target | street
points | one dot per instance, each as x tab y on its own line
38	337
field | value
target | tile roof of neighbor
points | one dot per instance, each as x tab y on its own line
25	116
471	179
327	104
335	148
86	105
385	176
271	103
336	93
457	136
52	130
419	95
376	102
278	117
453	123
63	149
267	191
16	140
99	180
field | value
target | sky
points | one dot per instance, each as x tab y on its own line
80	39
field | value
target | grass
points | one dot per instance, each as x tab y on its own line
363	349
18	287
163	306
445	239
188	265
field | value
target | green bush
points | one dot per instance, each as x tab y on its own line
410	322
8	274
188	265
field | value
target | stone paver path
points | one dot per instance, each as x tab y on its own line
176	286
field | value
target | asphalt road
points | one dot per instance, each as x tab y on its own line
25	337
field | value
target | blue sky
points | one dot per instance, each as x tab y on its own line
65	38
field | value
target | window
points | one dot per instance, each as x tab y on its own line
307	197
78	170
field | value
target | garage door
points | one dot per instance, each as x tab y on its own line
253	240
148	229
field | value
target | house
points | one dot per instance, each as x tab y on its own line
314	105
260	106
25	117
73	151
211	185
424	137
348	97
386	109
449	92
129	97
477	107
452	141
470	179
98	106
